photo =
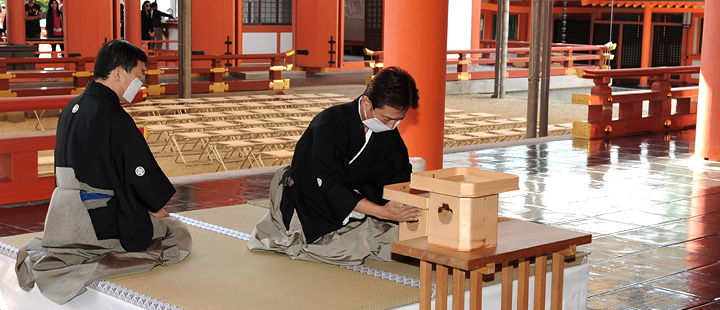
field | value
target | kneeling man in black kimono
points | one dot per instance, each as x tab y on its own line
327	205
105	217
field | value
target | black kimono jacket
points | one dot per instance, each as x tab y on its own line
102	144
323	193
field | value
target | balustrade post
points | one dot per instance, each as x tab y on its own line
379	59
4	77
217	71
485	55
601	113
152	78
569	62
275	74
661	107
81	76
600	61
462	63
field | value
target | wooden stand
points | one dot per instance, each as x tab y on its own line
460	206
517	241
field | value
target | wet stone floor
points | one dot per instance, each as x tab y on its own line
654	212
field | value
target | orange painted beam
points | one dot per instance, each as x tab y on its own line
409	28
211	26
16	21
475	30
133	22
707	139
646	36
82	38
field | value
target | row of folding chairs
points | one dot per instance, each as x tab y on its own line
484	125
248	148
184	108
248	98
499	135
272	117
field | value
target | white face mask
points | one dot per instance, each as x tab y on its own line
376	125
132	90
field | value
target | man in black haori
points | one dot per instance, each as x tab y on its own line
327	205
106	216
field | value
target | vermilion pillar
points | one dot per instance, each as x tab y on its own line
211	26
707	139
475	31
415	39
133	28
16	21
88	24
647	33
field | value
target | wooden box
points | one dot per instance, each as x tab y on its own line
401	192
461	206
462	224
464	182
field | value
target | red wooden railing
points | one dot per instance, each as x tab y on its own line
564	58
19	178
210	65
631	119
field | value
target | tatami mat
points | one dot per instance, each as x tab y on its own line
221	273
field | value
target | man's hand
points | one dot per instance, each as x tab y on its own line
152	34
399	212
160	214
392	210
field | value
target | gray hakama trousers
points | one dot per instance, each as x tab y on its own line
349	245
69	255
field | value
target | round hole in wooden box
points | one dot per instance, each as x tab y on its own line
412	226
445	214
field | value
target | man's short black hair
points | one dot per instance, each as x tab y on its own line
117	53
393	87
153	5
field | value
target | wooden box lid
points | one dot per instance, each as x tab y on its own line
401	192
464	182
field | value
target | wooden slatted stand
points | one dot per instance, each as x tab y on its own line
517	241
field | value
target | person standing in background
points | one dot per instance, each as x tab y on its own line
146	23
54	24
156	17
33	15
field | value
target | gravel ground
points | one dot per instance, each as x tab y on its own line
559	112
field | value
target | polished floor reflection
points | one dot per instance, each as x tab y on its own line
653	211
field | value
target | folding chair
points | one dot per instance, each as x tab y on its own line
193	139
212	116
182	118
174	108
278	122
458	140
217	125
269	144
485	116
483	137
163	132
278	157
291	140
251	123
151	120
257	132
288	130
266	113
508	135
485	125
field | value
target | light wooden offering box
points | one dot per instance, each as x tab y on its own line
462	205
401	192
